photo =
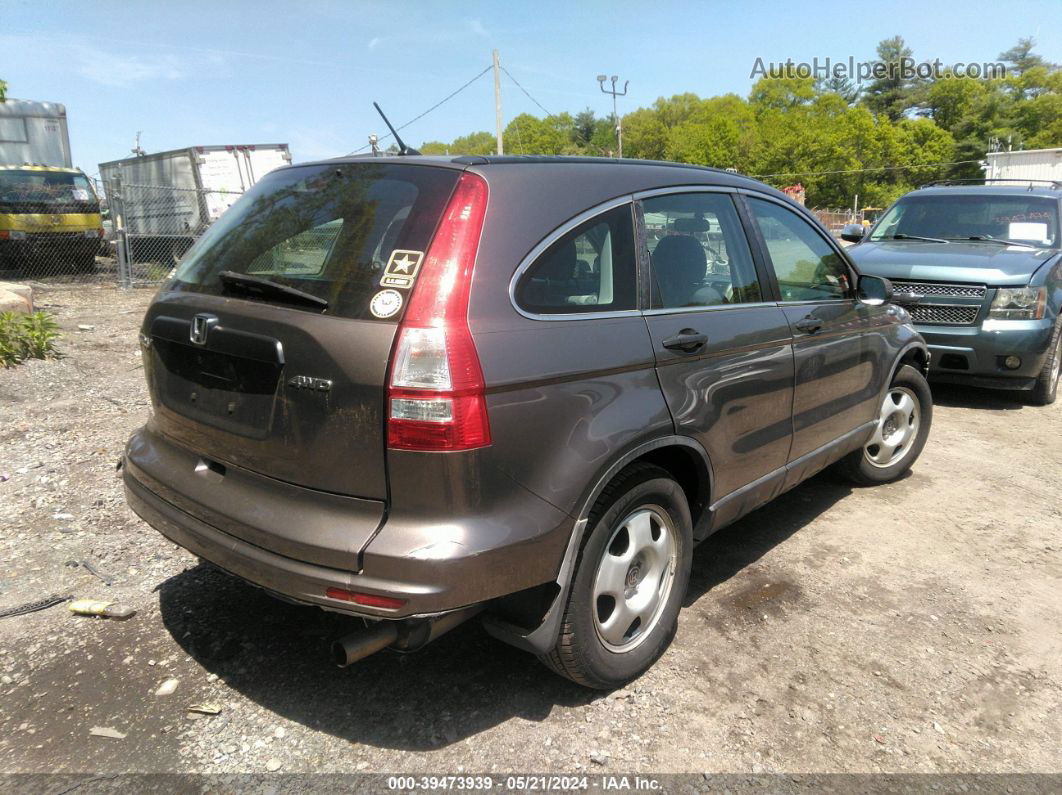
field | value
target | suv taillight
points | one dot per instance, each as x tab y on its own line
436	395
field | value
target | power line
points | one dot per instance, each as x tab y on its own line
420	116
526	93
540	107
859	170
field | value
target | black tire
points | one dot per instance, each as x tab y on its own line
858	466
580	654
1046	389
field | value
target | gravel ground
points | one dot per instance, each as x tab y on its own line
909	628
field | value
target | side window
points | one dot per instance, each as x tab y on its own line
590	269
806	267
698	252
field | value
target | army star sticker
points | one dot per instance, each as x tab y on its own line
403	265
402	269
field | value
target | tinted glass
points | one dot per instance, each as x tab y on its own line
1028	219
698	251
806	266
325	230
44	187
590	269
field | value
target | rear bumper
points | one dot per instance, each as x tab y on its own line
433	579
975	354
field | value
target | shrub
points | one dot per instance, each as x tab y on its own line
25	336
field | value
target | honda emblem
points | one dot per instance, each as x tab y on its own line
201	327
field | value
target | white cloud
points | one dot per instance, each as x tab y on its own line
477	27
373	42
107	64
119	71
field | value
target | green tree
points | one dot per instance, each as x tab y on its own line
716	133
1021	57
477	143
528	135
892	93
3	91
842	86
782	93
950	100
1039	118
584	125
644	135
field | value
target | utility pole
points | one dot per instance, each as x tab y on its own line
615	116
497	100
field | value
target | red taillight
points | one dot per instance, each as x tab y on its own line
436	397
367	599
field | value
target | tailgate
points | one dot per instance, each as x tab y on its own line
269	348
295	396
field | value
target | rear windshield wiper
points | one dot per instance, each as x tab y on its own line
902	236
255	285
1000	240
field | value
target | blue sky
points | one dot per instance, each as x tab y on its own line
305	73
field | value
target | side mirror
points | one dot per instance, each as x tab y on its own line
853	233
874	290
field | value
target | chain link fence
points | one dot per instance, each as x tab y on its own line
155	226
135	236
836	220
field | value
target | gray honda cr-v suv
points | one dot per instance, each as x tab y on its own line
414	389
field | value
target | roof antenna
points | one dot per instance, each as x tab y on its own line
402	148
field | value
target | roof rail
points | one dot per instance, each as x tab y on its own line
1054	183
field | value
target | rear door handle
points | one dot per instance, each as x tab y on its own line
688	341
809	324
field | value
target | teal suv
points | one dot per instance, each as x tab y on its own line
979	269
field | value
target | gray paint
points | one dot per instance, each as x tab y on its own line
571	401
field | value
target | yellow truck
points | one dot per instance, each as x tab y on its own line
49	220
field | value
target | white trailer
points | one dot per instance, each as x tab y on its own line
165	200
35	133
1025	164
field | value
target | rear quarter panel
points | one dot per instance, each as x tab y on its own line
566	398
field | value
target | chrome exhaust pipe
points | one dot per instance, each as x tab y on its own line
359	645
409	635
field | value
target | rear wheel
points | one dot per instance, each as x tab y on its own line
902	428
1046	389
629	582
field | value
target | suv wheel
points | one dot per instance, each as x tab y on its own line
628	585
1046	389
902	428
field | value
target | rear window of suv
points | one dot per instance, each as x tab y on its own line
329	231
